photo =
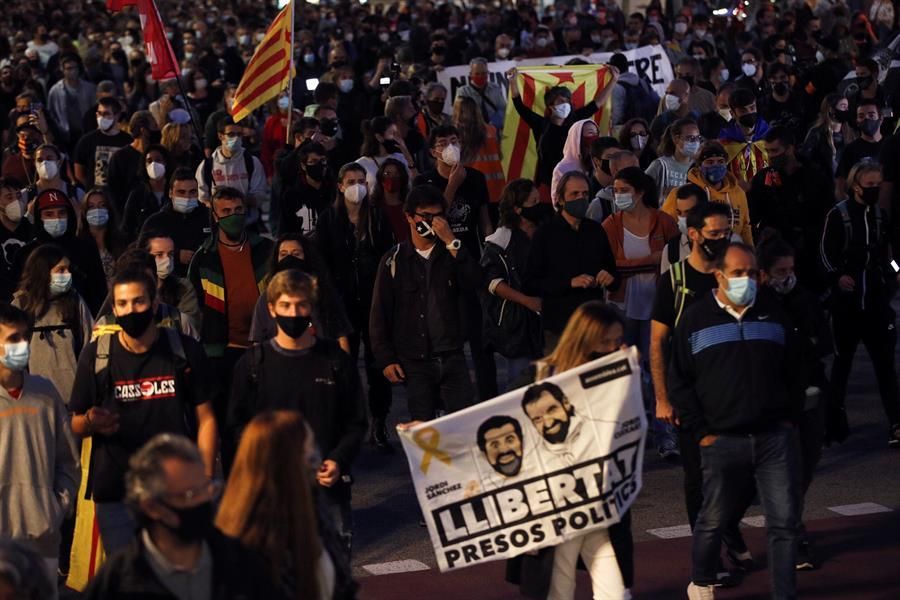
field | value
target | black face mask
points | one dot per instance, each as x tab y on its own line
293	326
436	106
781	88
134	324
864	82
425	230
155	136
328	127
841	116
316	172
194	523
538	213
604	166
748	120
292	262
595	355
391	146
713	249
870	195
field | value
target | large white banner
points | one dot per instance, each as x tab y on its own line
534	467
650	62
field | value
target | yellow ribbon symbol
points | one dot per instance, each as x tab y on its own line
428	440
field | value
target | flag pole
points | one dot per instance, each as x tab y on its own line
290	88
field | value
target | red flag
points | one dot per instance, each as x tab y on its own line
160	55
117	5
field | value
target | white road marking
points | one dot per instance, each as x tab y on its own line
671	533
394	567
863	508
758	521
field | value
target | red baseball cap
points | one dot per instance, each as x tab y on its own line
52	199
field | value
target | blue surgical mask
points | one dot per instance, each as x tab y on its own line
624	202
715	173
741	290
682	225
233	143
16	356
97	217
60	283
56	227
184	205
691	148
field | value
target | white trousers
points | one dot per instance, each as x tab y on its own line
597	553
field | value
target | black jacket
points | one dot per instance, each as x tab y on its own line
559	253
400	318
729	376
188	231
238	574
141	204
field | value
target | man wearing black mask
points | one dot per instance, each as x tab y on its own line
178	552
856	255
133	381
126	165
302	202
792	197
782	106
867	145
297	370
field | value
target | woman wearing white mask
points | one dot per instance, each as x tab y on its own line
198	92
352	236
635	136
551	128
638	234
62	320
100	224
50	168
151	195
680	143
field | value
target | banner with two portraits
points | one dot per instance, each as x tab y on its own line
534	467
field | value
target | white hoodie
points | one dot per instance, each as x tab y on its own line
571	160
232	172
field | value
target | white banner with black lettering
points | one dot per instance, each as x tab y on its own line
534	467
650	62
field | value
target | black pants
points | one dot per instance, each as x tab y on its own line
439	381
222	372
379	387
485	367
693	492
875	328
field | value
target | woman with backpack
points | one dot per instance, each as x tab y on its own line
61	320
512	324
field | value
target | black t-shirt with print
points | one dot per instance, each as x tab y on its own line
465	210
94	150
664	303
154	392
10	244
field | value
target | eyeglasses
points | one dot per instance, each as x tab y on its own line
429	217
209	490
692	138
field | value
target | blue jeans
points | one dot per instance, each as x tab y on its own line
730	466
116	524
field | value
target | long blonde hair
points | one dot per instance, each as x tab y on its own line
268	503
468	120
583	333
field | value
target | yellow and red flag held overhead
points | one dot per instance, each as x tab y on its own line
585	82
269	71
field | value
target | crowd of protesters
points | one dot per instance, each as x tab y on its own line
202	299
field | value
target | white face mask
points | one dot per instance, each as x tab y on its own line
156	171
15	210
60	283
682	225
164	266
748	69
200	84
681	27
450	155
384	36
355	193
724	74
47	169
638	142
624	202
725	113
562	110
56	227
502	52
672	102
345	85
105	123
284	103
541	42
184	205
97	217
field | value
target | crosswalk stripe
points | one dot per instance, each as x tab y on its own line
396	566
863	508
758	521
671	533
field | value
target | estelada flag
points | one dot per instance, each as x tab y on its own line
585	81
87	549
269	71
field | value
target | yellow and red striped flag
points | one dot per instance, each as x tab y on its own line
269	71
87	550
519	147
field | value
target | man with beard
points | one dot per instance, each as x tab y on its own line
554	417
500	439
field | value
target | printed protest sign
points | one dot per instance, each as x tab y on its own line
650	62
534	467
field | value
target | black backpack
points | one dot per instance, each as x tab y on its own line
641	101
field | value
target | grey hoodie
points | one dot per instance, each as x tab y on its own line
39	473
620	97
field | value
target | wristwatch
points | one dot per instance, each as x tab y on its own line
454	245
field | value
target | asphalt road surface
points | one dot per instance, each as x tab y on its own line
859	477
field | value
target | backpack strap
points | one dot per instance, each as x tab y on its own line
392	261
679	288
103	334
